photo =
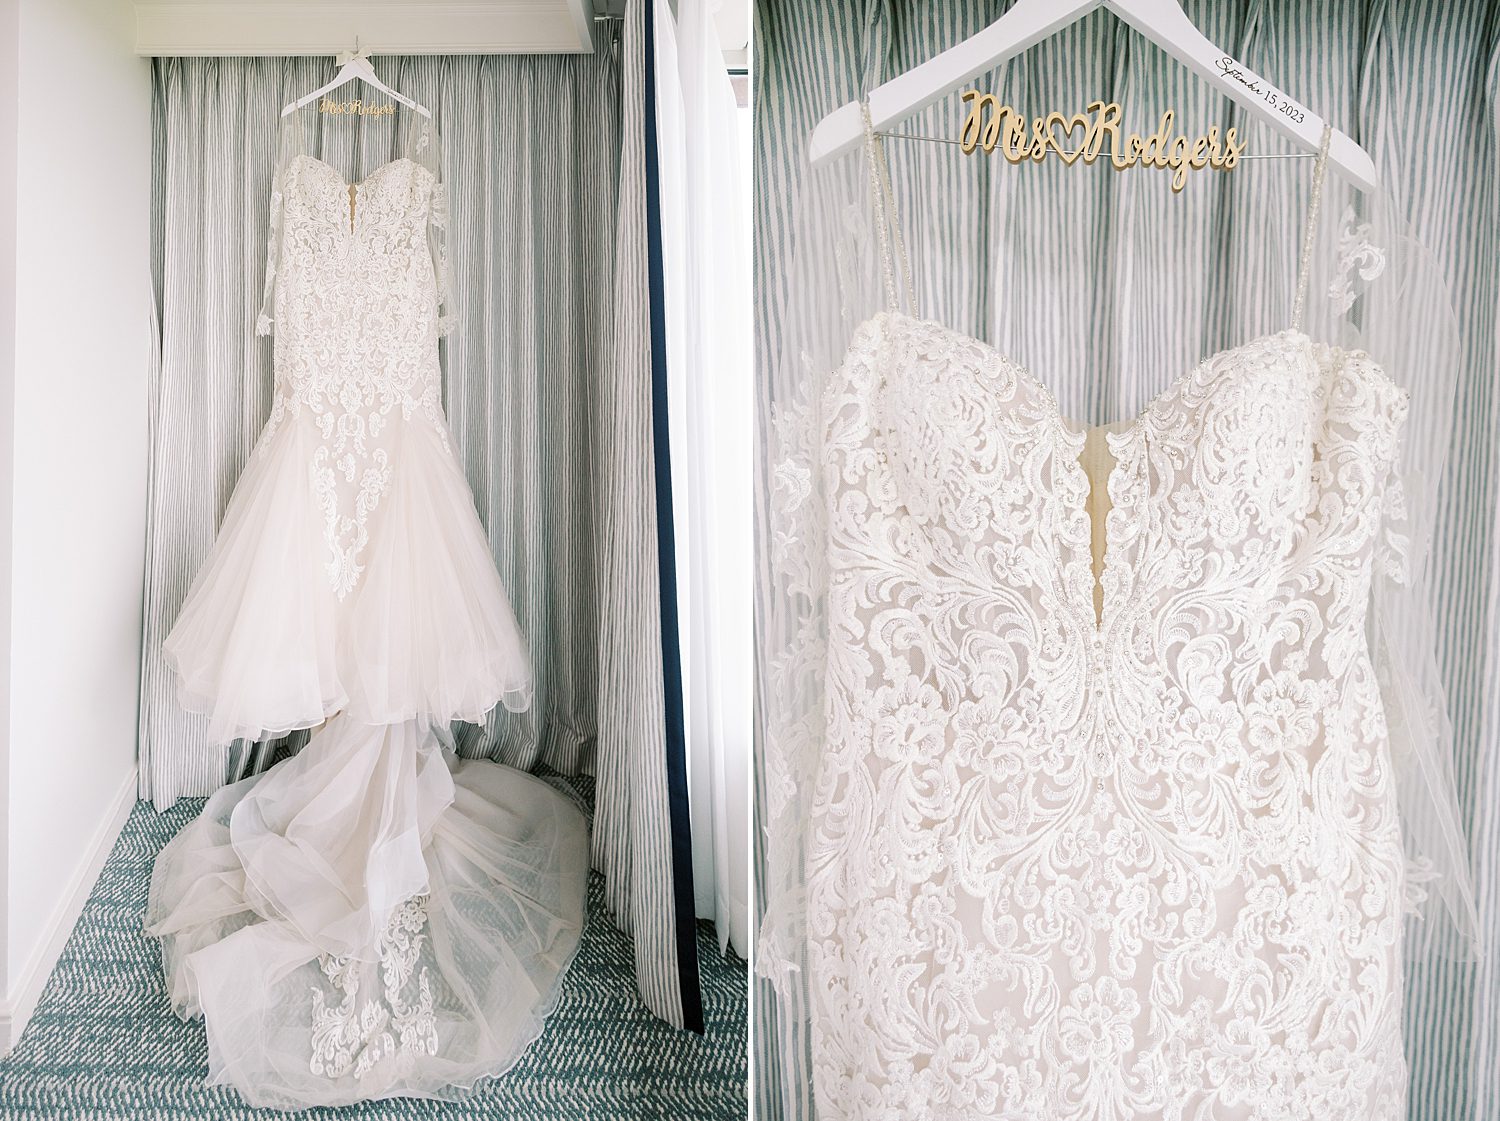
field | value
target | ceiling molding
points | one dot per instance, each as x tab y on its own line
315	27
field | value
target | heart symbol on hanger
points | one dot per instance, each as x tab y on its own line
1069	124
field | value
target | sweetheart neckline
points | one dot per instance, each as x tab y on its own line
1125	427
1103	610
343	180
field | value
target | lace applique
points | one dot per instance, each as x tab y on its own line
263	322
347	534
794	724
1356	253
1394	550
340	284
442	267
352	1037
1064	869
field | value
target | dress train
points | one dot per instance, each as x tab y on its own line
371	917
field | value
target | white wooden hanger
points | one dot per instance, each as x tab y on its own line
355	65
1029	22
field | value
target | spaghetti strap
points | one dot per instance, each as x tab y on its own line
1309	234
883	201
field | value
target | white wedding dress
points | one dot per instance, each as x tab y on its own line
1105	826
372	916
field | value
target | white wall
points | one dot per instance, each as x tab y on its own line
9	64
74	475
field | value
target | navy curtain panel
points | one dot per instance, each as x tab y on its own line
666	553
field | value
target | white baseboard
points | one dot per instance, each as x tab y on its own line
18	1005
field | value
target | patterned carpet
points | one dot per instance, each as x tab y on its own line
104	1043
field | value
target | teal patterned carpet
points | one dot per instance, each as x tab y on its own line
104	1044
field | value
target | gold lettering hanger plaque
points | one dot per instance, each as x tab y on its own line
355	107
1096	131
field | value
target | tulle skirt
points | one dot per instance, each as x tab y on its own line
264	645
371	917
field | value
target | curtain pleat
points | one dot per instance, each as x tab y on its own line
1108	287
637	819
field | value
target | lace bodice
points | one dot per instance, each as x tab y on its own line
355	281
1080	867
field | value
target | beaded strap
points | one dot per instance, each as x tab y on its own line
883	200
1308	234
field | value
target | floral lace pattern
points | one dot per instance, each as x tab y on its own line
1068	868
352	1037
357	296
1356	254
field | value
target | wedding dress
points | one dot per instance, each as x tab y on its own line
350	572
371	916
1115	840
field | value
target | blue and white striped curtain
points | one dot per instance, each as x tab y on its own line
1420	85
548	389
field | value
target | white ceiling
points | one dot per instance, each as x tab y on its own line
733	19
299	27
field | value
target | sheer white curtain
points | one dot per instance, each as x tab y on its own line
706	255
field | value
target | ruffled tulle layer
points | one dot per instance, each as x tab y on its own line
371	917
263	644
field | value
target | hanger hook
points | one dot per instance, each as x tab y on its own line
346	57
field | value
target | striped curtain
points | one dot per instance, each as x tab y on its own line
546	390
1078	271
642	795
